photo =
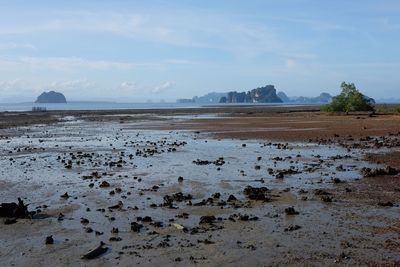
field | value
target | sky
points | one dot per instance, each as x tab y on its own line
132	51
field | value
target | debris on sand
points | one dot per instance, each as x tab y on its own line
180	227
291	211
98	251
14	210
218	162
256	193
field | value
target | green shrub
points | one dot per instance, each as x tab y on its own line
388	108
349	100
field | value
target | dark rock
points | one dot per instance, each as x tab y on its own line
9	221
216	195
65	195
207	219
326	198
320	192
386	204
291	211
179	197
135	227
337	181
368	172
104	184
231	198
292	228
60	217
157	224
49	240
147	219
14	210
117	206
255	193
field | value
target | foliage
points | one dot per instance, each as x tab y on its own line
349	100
388	108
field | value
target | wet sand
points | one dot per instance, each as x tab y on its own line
177	167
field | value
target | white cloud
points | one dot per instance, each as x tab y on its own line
389	25
12	84
65	63
176	61
128	88
68	64
76	86
205	30
24	87
291	63
21	87
11	46
133	87
129	85
163	87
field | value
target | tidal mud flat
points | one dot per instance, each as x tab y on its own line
178	190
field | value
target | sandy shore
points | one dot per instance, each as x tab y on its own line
213	186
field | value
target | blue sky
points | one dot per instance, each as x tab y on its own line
139	50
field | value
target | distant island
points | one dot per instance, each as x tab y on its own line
210	98
322	98
266	94
51	97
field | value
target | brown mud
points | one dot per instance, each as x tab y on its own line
173	188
